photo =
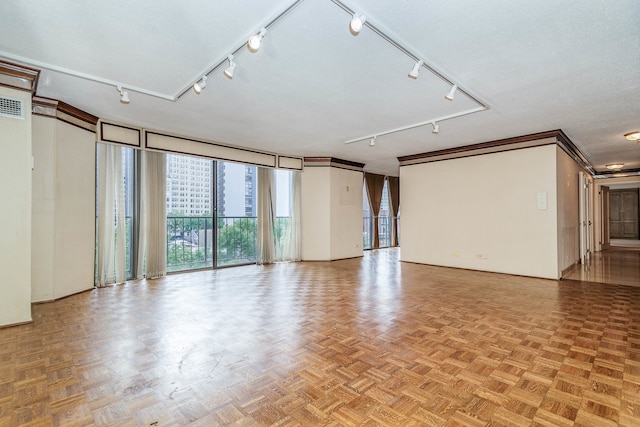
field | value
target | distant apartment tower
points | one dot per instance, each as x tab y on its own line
189	185
236	190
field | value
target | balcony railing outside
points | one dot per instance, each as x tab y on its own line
190	243
128	233
236	238
280	228
384	231
367	232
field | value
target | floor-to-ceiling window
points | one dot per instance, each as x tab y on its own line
128	168
283	208
383	221
211	213
236	225
189	212
116	170
384	218
367	220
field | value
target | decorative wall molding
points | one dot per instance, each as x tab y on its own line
62	111
146	139
620	174
333	162
158	141
556	137
114	133
288	162
18	77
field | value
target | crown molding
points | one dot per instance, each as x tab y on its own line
333	162
18	77
557	137
47	107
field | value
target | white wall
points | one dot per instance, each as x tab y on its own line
15	215
75	209
316	211
64	209
482	212
346	213
43	220
331	213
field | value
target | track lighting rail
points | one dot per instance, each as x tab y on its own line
199	82
220	63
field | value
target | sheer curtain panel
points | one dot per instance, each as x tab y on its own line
111	245
291	249
266	250
152	249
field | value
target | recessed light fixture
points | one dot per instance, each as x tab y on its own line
256	40
633	136
199	86
415	71
356	24
232	66
615	166
124	95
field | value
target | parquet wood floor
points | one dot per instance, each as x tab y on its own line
366	342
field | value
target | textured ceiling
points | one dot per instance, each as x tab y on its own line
570	65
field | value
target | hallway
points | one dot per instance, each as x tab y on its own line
615	266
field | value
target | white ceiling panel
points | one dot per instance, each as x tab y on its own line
570	65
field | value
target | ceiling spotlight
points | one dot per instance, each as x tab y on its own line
633	136
199	86
232	66
436	128
373	141
357	22
255	40
124	95
451	93
615	166
415	71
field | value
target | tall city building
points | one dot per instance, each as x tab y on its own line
236	190
189	185
189	190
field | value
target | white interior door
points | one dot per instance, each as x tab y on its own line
605	239
583	224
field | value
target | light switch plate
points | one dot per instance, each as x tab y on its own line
542	201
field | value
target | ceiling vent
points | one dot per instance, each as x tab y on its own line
11	107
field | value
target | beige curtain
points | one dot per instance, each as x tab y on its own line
291	247
394	201
111	245
375	185
152	249
266	250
